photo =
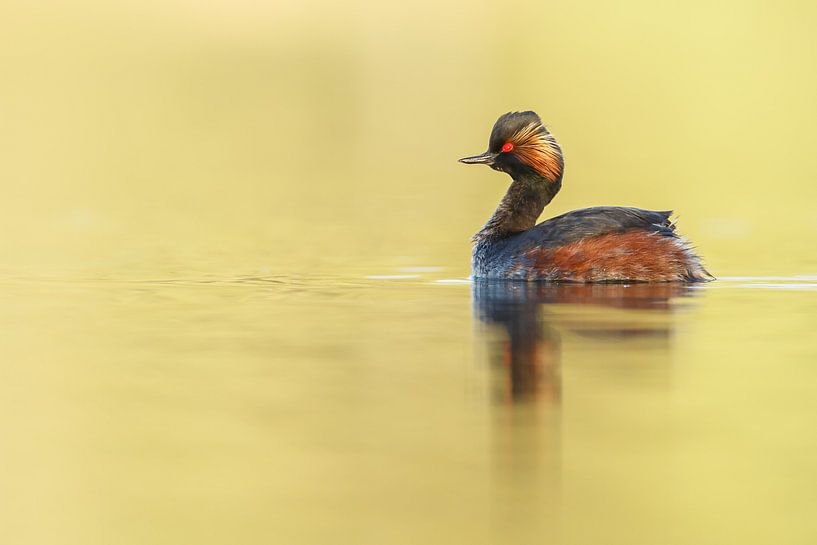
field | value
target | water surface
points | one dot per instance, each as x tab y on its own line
411	407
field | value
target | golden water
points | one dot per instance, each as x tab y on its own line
233	295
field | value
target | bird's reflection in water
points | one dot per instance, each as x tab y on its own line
529	349
523	325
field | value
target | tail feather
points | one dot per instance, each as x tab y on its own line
695	270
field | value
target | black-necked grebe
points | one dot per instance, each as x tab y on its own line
599	244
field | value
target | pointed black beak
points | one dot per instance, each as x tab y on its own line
484	159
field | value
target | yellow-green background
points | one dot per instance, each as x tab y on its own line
192	195
286	133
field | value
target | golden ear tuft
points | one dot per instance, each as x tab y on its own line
537	148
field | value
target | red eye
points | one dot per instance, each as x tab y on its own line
507	147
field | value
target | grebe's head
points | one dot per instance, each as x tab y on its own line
520	145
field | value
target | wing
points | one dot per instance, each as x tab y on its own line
597	221
600	244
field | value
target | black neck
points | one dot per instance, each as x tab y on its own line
521	206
